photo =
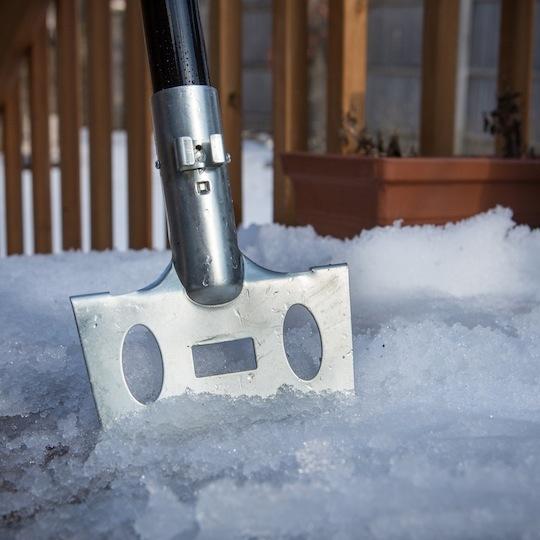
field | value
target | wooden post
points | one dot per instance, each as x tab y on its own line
41	165
139	130
69	120
13	168
289	64
515	58
439	77
226	66
19	21
347	67
99	119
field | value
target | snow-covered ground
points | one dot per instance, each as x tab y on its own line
441	441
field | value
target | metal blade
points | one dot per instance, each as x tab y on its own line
178	324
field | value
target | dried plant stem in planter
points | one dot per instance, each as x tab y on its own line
506	121
356	140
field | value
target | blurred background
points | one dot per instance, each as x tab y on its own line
76	164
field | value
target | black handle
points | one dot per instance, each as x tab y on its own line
175	43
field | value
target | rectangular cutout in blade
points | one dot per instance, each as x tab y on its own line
224	357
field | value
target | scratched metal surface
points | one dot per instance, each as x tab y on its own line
178	324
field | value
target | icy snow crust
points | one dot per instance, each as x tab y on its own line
442	440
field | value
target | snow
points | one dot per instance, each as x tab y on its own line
441	441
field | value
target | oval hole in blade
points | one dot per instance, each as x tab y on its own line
302	342
142	364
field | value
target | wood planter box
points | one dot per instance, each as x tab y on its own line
341	195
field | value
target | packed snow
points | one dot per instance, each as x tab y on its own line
442	439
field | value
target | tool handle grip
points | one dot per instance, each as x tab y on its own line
175	43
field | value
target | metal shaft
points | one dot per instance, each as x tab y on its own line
193	162
175	43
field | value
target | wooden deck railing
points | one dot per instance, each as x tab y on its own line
69	116
24	38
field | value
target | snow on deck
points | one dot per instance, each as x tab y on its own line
441	441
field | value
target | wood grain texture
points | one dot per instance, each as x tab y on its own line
99	119
69	112
139	130
290	111
13	168
19	21
516	58
439	77
39	117
347	66
226	70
